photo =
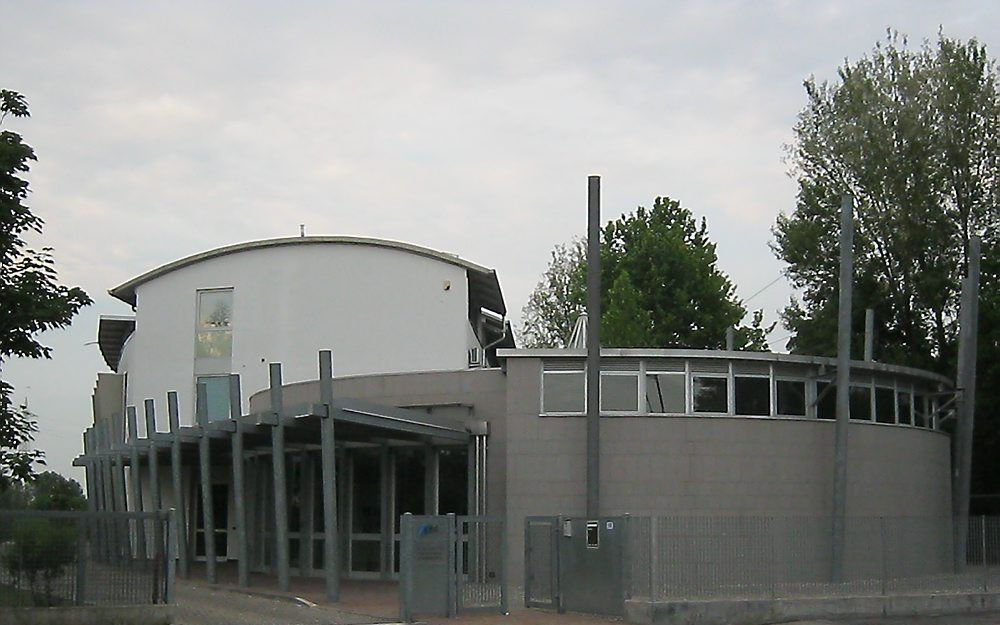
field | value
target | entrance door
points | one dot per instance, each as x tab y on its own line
220	520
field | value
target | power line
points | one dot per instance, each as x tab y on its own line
764	288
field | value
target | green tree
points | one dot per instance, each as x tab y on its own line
51	491
558	299
914	135
31	300
661	287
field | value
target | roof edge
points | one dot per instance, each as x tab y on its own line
863	365
126	291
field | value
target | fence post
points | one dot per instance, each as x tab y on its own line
81	561
172	554
982	534
503	566
405	566
453	559
885	573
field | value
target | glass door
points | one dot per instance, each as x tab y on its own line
366	513
220	520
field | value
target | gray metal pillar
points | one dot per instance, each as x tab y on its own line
966	383
107	492
730	338
432	477
102	436
154	468
280	486
205	466
328	460
386	492
116	442
135	481
593	346
88	457
843	385
177	477
239	482
154	473
472	475
869	335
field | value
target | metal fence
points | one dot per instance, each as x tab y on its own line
700	558
84	558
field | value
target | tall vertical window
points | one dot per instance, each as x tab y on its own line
904	404
214	332
885	405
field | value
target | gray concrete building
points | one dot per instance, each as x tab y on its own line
256	461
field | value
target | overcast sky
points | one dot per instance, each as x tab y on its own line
165	129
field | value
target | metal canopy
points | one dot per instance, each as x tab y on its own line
112	332
357	421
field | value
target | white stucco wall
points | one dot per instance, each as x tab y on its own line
380	310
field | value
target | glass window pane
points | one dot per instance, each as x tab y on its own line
885	405
665	393
620	392
710	394
217	396
826	408
791	398
366	556
409	483
215	309
563	392
861	403
367	513
753	396
213	344
904	401
920	410
453	483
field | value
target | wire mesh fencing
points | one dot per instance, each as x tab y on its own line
481	563
84	558
740	557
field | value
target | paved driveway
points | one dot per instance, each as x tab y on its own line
204	605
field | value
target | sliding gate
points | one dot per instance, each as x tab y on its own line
451	564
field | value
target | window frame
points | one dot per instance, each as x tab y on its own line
199	329
639	397
683	375
541	395
805	397
770	395
716	376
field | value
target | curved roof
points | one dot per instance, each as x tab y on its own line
484	288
